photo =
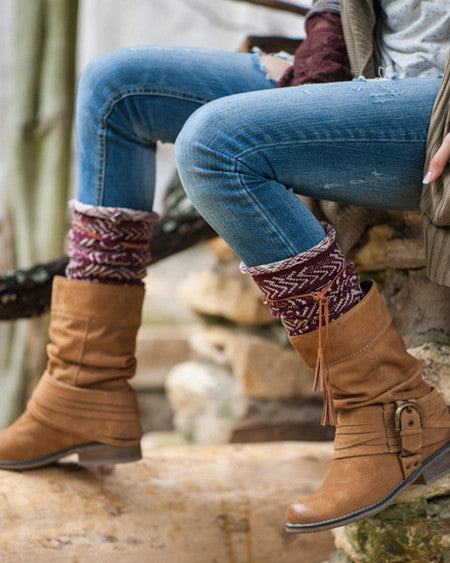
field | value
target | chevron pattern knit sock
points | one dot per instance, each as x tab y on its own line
109	244
309	272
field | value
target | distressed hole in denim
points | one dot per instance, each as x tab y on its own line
381	175
332	186
384	94
273	65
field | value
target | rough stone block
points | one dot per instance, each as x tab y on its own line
221	249
181	504
206	400
158	349
410	532
395	243
419	307
245	387
265	364
293	419
435	359
211	407
268	370
371	256
225	292
212	345
405	253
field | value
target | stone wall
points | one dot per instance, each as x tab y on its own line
253	385
243	381
392	252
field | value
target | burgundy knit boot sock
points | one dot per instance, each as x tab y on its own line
109	244
292	286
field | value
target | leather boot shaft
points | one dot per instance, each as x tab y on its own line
367	358
84	391
93	332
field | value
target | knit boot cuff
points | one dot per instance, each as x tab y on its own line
281	265
114	214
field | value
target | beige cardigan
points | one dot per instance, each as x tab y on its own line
358	21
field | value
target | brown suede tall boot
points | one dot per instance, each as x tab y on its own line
83	403
392	428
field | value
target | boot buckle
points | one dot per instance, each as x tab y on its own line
409	406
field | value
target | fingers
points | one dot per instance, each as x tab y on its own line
439	161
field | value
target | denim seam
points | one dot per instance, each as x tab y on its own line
111	103
334	141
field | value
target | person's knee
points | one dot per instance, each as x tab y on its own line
201	152
103	77
189	155
93	74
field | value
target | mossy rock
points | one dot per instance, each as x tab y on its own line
339	556
407	532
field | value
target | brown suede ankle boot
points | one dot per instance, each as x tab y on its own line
392	428
83	403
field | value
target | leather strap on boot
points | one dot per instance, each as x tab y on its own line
107	416
403	427
409	421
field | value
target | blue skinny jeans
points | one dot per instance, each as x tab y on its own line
244	149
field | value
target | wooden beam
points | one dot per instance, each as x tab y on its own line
279	5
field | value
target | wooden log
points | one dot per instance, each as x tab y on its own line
180	504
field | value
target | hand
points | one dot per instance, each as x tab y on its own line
439	161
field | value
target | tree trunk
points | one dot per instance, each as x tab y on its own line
39	126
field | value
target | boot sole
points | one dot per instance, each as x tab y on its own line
435	467
92	454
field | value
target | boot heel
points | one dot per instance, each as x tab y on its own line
101	454
436	469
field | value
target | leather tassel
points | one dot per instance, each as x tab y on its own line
321	382
318	385
321	375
